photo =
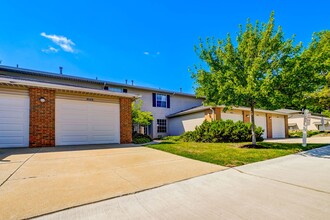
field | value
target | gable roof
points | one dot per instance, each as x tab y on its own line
7	81
83	79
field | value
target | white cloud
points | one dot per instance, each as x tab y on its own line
147	53
65	43
50	50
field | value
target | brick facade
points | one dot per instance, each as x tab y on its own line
42	117
125	120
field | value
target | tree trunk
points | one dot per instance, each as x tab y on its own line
254	140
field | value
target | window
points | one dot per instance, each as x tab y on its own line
113	89
161	100
161	126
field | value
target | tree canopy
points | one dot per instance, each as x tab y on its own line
247	72
140	117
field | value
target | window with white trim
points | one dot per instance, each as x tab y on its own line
161	100
161	126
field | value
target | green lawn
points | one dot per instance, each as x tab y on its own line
230	154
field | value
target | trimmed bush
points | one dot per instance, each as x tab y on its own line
299	133
141	138
222	131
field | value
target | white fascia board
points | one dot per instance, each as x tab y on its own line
19	82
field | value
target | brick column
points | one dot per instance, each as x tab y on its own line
42	117
269	126
286	122
246	116
218	113
125	120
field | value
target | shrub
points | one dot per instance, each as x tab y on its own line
222	131
171	138
299	133
141	138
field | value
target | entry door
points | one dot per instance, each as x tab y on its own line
86	122
14	120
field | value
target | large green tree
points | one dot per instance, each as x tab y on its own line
246	72
305	82
318	54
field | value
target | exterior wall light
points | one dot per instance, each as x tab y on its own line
42	99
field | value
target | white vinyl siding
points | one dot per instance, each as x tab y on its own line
231	116
181	124
14	120
86	122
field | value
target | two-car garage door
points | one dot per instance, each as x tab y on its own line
86	122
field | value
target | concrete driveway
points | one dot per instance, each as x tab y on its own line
291	187
38	181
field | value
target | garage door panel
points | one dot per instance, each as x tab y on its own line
12	139
73	127
73	117
102	139
15	125
94	123
104	128
14	120
71	139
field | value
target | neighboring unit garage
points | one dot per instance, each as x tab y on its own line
86	122
278	124
261	120
273	123
14	118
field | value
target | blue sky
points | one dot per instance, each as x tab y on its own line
150	42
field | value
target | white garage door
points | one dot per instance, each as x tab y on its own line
278	127
231	116
86	122
260	120
14	120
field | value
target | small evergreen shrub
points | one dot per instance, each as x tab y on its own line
222	131
171	138
141	138
299	133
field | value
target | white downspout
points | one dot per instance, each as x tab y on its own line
212	113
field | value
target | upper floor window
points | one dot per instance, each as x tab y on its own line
160	100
